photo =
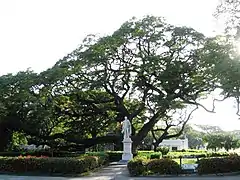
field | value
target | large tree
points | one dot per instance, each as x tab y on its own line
145	70
228	12
148	61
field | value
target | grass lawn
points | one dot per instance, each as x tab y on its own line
186	161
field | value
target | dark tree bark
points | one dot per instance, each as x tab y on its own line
6	136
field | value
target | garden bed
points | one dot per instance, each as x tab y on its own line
50	166
168	167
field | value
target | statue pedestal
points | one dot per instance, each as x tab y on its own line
127	150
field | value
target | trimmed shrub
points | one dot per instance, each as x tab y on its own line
200	154
164	150
164	166
155	156
49	165
219	165
144	154
217	154
104	157
111	155
149	155
114	155
136	167
42	153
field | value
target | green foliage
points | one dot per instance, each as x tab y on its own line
41	153
147	66
18	139
112	156
227	11
223	140
186	160
148	154
230	142
163	166
196	154
219	165
49	165
164	150
155	156
139	166
136	167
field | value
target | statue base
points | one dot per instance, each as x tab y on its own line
127	150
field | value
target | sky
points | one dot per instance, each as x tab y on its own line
36	34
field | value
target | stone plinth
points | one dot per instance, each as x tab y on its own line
127	149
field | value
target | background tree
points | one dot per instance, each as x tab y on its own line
214	141
209	129
230	142
195	137
221	140
15	104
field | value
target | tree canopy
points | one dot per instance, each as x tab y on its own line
146	70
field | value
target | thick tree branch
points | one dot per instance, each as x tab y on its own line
197	104
183	126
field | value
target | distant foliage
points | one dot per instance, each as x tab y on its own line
163	149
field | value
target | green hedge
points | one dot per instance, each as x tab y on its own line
191	150
112	156
210	165
174	155
164	166
219	165
138	166
48	166
149	155
42	153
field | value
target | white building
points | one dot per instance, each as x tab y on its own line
175	144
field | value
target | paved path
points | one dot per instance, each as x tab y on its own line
113	172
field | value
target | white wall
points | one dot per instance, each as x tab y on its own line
179	143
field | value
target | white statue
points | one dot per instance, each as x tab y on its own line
126	128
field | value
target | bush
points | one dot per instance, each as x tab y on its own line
104	157
196	151
199	154
144	154
149	155
114	155
164	166
42	153
45	165
217	154
136	167
155	156
164	150
219	165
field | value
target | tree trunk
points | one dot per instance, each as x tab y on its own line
155	147
138	138
6	136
